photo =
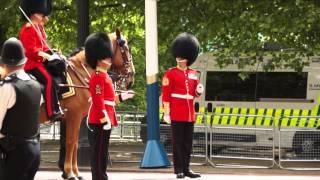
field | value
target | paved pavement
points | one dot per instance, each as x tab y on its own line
126	166
53	175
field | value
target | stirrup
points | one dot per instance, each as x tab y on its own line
57	117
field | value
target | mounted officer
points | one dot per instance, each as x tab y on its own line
33	38
20	97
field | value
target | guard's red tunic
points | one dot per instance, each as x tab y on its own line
103	98
179	90
32	43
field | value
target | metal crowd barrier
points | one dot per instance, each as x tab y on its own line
299	143
199	145
50	131
231	140
129	127
235	141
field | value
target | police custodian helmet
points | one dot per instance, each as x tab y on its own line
36	6
185	46
97	46
12	53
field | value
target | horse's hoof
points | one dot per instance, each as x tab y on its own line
64	175
72	178
80	178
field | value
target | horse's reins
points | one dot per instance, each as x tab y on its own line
79	76
74	86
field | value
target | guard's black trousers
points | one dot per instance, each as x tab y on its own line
2	164
99	145
23	162
182	134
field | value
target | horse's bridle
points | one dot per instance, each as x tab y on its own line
120	45
123	49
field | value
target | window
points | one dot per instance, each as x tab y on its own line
228	86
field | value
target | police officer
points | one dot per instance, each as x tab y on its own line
33	38
102	116
180	85
19	115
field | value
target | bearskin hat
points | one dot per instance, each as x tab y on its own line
185	46
97	46
36	6
12	53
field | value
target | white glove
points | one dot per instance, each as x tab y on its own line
107	126
167	119
54	56
62	57
199	89
106	119
127	95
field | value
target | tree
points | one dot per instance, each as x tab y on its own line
104	17
288	31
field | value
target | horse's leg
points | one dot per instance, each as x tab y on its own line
75	150
62	152
73	127
70	143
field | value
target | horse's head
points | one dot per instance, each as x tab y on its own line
122	70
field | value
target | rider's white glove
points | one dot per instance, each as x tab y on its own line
167	119
199	89
127	95
54	56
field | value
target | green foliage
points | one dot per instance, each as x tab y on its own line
244	30
105	16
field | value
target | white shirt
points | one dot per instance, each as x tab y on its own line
8	96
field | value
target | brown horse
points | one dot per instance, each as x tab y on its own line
76	107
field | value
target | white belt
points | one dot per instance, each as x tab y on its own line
109	103
182	96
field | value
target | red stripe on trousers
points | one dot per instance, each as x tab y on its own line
48	91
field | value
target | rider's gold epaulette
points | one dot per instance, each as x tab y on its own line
28	25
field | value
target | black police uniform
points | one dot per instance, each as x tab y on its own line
21	128
20	119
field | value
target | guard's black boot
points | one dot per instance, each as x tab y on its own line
58	116
192	174
180	176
